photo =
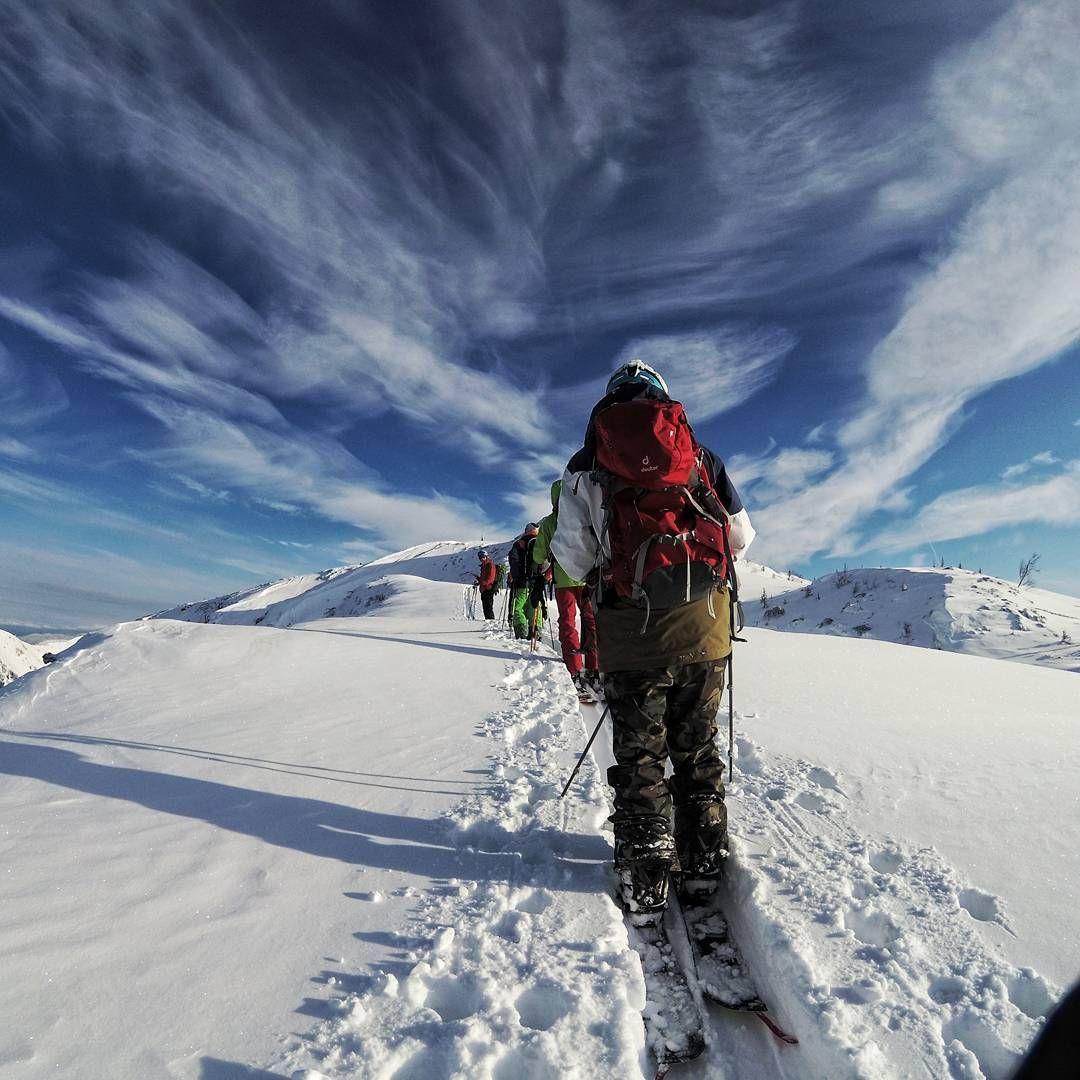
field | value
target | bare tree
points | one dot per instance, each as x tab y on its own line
1028	569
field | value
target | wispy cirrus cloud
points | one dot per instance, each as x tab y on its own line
287	467
365	244
715	370
367	275
973	511
778	473
1001	301
1042	459
28	398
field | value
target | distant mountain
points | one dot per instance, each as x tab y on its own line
17	657
956	610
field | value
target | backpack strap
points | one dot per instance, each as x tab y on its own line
639	591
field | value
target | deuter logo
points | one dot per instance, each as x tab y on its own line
646	467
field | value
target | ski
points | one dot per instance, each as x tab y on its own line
674	1026
719	966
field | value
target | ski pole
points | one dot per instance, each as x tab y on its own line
734	608
596	731
730	713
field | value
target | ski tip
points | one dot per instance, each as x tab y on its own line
776	1029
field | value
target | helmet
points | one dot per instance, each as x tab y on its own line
482	553
532	529
636	372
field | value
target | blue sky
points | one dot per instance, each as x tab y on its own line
285	286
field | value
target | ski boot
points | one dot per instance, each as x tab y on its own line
589	689
701	840
644	861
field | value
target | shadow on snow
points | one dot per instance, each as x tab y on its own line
425	846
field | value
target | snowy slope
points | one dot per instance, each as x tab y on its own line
339	847
956	610
17	657
756	578
348	590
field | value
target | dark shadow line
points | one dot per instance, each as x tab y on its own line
312	826
429	644
199	756
222	756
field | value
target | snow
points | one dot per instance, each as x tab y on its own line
350	590
332	846
956	610
17	657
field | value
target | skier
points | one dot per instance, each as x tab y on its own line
487	582
653	519
525	618
579	653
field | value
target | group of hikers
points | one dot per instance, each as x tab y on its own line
639	547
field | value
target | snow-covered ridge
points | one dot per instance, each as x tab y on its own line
17	657
955	610
345	590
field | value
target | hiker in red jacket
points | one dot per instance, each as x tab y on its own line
486	581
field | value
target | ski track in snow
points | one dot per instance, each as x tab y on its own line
872	950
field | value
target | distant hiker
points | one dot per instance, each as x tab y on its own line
571	596
487	582
525	616
652	517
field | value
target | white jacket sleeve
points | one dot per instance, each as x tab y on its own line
575	544
742	533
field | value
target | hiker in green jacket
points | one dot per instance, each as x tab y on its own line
579	653
526	616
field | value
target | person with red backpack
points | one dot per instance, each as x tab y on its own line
487	582
651	519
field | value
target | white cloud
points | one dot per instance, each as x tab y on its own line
29	395
53	587
771	476
1003	300
289	468
18	451
713	371
372	274
976	510
1046	457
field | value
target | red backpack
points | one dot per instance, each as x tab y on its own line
666	528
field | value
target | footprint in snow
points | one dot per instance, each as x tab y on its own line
542	1007
535	903
871	926
983	906
454	999
886	861
808	800
825	779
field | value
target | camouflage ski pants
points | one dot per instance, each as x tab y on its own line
663	713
